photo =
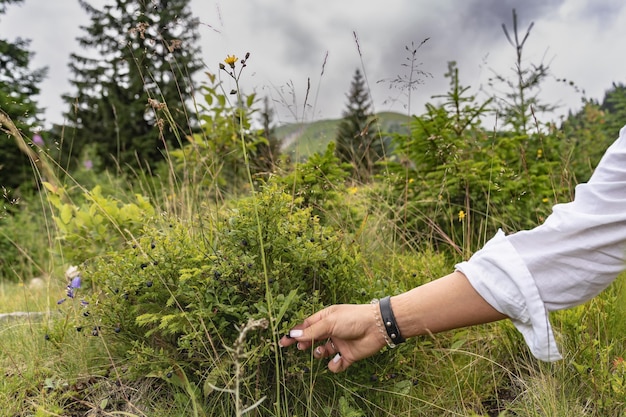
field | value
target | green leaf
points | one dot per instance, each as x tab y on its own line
66	213
104	403
283	308
250	100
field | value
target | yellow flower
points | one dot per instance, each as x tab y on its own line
411	180
539	153
461	215
231	60
545	200
352	190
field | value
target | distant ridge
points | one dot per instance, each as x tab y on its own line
304	139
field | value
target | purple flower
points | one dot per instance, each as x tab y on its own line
88	164
61	301
38	140
70	292
75	282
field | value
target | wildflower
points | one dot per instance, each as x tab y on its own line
411	180
76	282
38	140
73	285
545	199
231	60
88	164
539	153
352	190
461	215
73	275
61	301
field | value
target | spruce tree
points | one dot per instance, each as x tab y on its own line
133	84
356	140
19	84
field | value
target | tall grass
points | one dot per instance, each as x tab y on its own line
484	370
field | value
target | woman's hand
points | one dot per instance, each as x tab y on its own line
348	333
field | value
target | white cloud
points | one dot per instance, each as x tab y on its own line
288	39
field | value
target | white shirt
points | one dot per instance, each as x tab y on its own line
578	251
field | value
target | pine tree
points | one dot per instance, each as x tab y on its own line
133	85
18	86
357	142
519	103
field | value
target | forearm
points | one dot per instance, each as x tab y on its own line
446	303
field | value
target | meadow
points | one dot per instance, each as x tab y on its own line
166	294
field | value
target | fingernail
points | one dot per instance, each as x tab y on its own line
318	350
280	344
337	358
295	333
299	346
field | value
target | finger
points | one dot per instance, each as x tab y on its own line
325	350
288	340
315	327
331	348
338	363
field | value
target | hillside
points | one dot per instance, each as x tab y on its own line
303	139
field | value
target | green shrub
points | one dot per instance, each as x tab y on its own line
320	184
173	299
98	224
454	183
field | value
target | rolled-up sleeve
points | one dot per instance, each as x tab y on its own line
578	251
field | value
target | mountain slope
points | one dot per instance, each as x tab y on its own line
303	139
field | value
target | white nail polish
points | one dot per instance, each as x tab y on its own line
296	333
337	358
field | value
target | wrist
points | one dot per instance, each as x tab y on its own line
386	322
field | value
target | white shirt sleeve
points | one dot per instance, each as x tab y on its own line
578	251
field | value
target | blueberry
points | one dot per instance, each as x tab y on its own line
117	329
149	284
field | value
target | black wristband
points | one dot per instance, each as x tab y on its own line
389	321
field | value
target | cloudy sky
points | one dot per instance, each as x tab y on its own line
291	41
